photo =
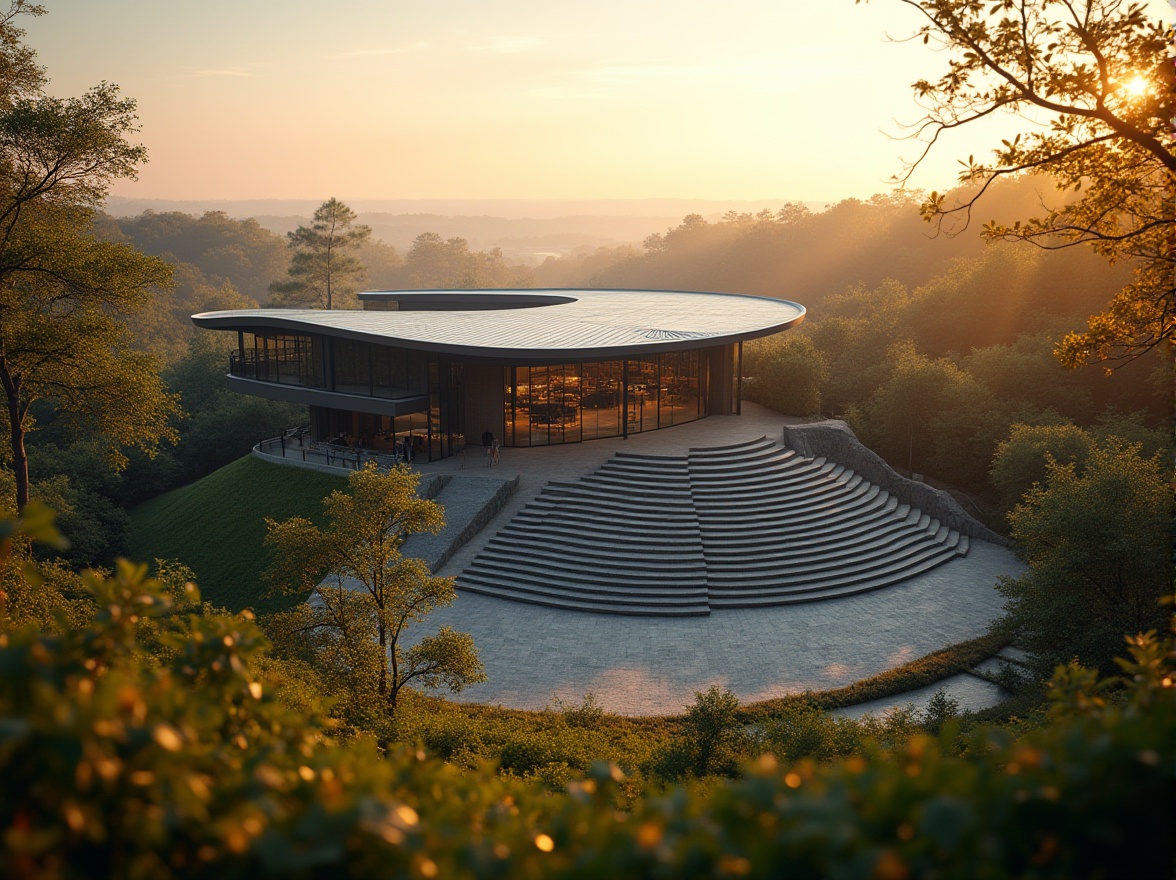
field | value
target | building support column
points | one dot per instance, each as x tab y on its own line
625	399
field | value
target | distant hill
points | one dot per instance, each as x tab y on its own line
527	230
537	209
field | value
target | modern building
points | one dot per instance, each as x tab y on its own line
533	367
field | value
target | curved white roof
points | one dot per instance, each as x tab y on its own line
531	325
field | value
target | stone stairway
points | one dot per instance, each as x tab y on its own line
739	526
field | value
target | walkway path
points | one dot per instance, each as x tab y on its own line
638	666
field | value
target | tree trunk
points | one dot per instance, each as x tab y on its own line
383	659
20	458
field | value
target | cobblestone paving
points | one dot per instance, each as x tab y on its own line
640	666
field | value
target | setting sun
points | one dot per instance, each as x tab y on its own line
1136	86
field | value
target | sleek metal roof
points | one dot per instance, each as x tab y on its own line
535	325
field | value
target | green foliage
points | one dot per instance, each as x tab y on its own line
941	708
436	263
221	250
323	268
587	713
1097	542
216	526
371	590
1025	372
786	373
1022	460
801	731
64	295
534	744
713	739
217	263
900	415
120	761
45	594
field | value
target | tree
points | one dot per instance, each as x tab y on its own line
713	739
372	594
63	294
434	263
1097	543
786	372
1022	461
900	416
1092	79
323	271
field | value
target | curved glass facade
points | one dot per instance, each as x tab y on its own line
567	403
424	397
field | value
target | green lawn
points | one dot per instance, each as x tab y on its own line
216	526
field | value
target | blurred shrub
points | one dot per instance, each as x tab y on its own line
116	762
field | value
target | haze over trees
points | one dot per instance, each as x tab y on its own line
1092	82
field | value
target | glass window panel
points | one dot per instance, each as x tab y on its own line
643	396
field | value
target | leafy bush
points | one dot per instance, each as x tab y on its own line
153	743
941	708
1098	547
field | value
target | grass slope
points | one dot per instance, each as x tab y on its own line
216	526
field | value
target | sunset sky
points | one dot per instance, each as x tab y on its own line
383	99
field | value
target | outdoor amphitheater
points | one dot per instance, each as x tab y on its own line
729	551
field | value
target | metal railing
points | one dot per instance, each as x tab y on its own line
296	444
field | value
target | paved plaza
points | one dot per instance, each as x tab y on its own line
647	666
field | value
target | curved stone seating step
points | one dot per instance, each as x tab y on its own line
608	530
676	475
828	554
571	603
792	580
778	487
767	458
649	516
787	571
827	545
795	470
555	499
850	534
620	537
802	499
627	486
809	473
715	473
745	525
735	452
736	526
586	582
668	565
554	495
817	592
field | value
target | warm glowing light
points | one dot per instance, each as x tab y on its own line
1136	86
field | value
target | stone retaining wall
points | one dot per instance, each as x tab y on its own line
477	522
834	440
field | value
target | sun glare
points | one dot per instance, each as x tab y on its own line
1136	86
